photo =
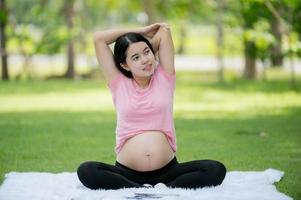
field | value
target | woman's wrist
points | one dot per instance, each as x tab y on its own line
110	36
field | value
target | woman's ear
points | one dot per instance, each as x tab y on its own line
125	66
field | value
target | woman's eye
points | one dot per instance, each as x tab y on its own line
146	52
135	58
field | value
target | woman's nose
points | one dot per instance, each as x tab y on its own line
144	59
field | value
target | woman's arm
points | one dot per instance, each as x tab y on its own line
162	42
102	40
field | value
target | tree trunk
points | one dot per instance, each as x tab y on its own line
149	10
264	67
220	39
291	54
182	38
276	53
69	14
250	60
70	61
3	52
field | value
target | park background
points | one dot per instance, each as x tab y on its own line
237	97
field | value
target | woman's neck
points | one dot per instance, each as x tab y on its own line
142	82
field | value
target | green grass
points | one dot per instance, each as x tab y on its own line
55	125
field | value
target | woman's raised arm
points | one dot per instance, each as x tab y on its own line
102	40
162	42
157	32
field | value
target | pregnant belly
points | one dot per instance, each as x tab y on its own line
145	152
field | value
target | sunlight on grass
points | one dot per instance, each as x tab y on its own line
219	104
64	101
199	104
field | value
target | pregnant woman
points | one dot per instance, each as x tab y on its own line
141	76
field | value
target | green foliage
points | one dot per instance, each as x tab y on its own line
48	21
262	39
294	48
3	16
195	11
39	27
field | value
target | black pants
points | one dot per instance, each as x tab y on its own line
193	174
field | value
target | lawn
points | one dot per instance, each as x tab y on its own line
54	125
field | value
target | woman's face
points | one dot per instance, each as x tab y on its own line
140	60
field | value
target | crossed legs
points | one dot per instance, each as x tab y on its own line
193	174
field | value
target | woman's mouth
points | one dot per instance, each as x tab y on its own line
148	68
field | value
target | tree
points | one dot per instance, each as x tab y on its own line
184	12
148	6
287	25
68	11
296	18
249	12
179	11
264	41
276	30
33	32
220	38
3	21
51	27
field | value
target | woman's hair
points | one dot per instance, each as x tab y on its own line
120	49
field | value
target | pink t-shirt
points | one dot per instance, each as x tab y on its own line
144	109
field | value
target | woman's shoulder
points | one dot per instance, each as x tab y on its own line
169	76
165	78
114	82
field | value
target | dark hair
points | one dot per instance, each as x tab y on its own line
122	44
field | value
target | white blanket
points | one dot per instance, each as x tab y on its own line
66	186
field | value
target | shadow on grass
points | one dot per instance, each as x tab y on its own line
209	80
275	86
184	80
280	86
42	86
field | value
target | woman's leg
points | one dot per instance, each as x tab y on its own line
196	174
97	175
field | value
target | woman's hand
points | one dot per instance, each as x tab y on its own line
151	30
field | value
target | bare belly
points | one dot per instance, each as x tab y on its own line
145	152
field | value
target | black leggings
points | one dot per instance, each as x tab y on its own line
193	174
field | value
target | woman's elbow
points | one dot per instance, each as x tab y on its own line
97	36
